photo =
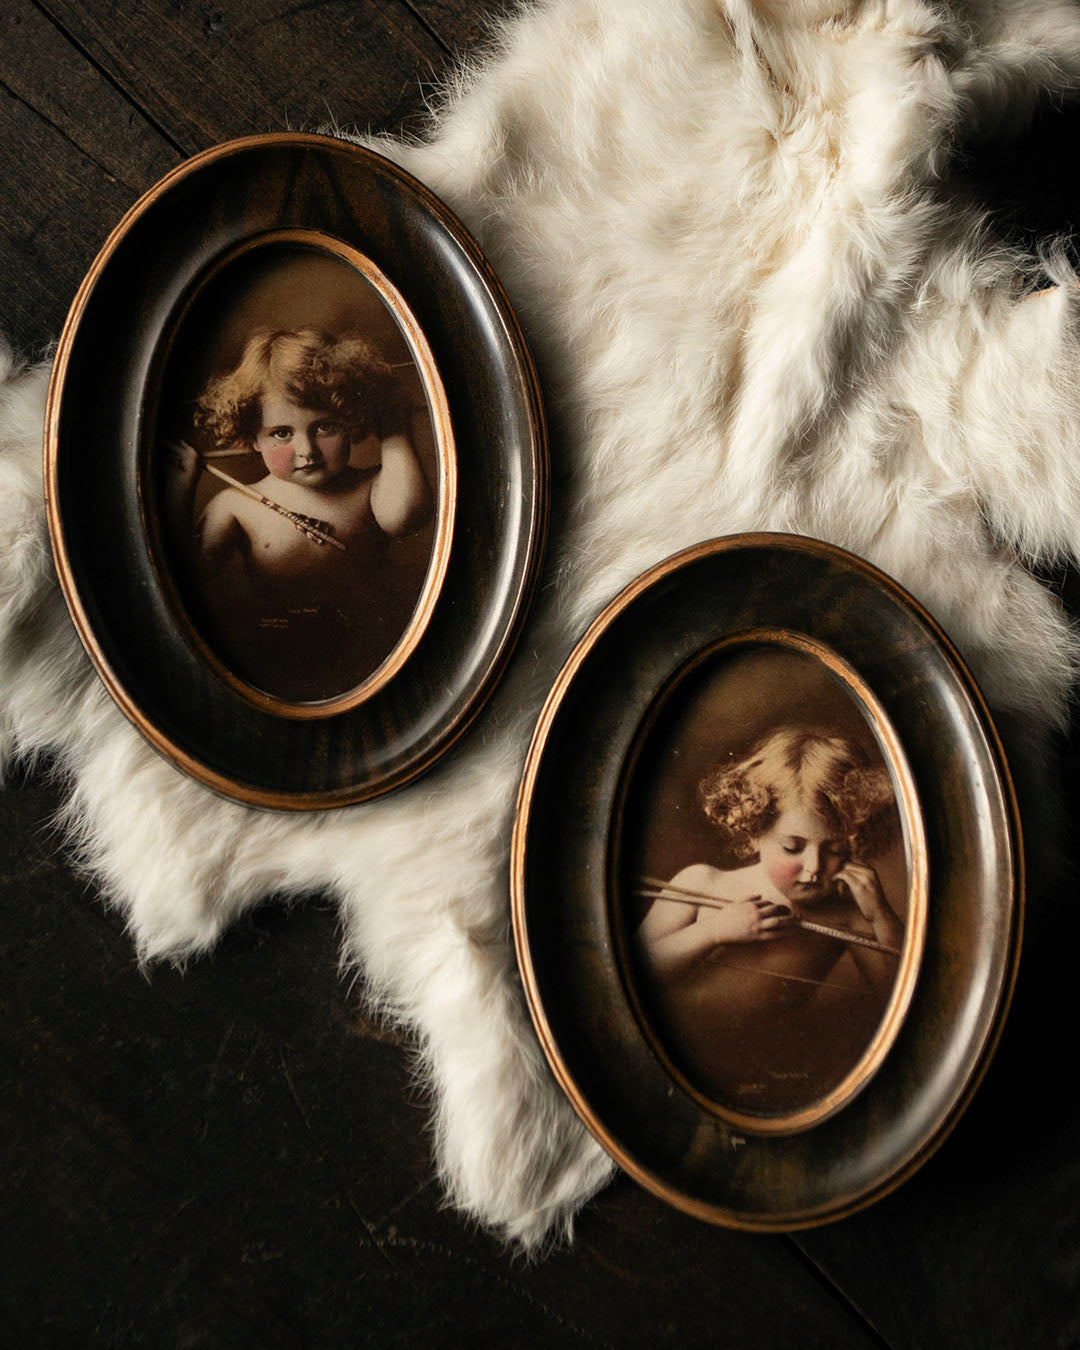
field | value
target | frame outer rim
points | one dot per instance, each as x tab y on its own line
220	783
700	1209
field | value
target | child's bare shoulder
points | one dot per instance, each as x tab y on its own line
227	513
698	877
741	883
223	503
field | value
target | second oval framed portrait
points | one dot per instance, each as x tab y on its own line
767	882
306	540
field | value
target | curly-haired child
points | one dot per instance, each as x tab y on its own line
726	949
311	534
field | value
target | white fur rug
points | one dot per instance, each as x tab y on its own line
755	305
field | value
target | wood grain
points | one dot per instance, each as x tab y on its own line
460	27
74	155
209	72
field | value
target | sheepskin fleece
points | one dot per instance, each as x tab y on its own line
756	304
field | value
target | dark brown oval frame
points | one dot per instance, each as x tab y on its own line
490	537
563	880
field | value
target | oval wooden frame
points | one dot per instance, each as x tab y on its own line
316	241
377	737
915	845
561	884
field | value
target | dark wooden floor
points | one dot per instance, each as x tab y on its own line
234	1156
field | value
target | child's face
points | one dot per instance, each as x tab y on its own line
801	856
301	445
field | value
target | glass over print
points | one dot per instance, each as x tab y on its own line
301	458
766	882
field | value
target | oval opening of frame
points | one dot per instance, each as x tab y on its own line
768	881
297	473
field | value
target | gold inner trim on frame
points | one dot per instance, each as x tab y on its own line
317	242
866	1066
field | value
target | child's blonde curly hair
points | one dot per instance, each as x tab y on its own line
790	769
346	375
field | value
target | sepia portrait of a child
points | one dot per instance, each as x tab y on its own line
767	937
296	475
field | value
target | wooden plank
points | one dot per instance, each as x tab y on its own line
44	72
45	248
638	1274
461	26
205	73
74	155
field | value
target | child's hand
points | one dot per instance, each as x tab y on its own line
864	888
755	920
